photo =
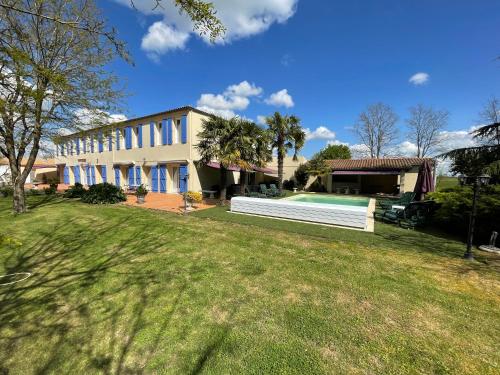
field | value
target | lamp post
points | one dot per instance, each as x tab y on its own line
476	182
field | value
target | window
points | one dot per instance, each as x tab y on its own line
177	131
84	144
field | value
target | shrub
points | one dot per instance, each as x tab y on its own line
51	190
75	191
193	196
456	205
288	184
141	191
301	176
34	192
6	191
104	193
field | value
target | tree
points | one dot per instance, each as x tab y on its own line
233	142
376	128
490	114
424	126
285	134
334	152
49	71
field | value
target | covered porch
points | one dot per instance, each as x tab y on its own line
364	182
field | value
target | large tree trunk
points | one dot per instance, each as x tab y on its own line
281	156
223	182
18	198
243	181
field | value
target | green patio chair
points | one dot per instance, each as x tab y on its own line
276	191
404	200
254	194
264	190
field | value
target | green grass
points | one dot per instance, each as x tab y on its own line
445	182
121	290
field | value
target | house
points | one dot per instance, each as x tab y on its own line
44	170
156	150
370	176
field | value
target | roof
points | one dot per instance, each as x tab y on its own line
135	119
375	164
39	163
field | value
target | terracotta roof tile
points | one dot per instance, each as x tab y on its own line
375	164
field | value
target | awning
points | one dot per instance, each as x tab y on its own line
235	168
389	172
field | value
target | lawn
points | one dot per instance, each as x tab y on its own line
122	290
446	182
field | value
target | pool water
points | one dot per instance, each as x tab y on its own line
330	199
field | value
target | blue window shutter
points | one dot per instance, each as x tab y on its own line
154	178
66	175
184	129
87	173
117	139
169	130
104	173
84	144
131	178
92	169
128	137
110	141
164	132
138	175
139	136
117	176
152	134
77	146
183	170
100	143
163	178
76	172
92	143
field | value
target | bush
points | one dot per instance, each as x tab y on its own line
456	205
317	186
288	184
193	196
141	191
6	191
301	176
50	190
34	192
75	191
104	193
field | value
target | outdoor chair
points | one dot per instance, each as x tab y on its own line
264	190
404	200
275	190
253	194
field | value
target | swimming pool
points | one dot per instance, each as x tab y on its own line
349	212
330	199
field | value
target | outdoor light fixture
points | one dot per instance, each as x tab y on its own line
476	182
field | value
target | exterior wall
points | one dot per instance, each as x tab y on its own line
289	165
409	180
173	155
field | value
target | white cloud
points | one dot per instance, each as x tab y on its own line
359	151
241	18
321	132
336	142
244	88
281	98
419	78
261	120
162	38
89	119
234	98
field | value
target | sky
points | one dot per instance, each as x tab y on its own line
323	61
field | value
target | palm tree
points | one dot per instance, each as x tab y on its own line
286	134
233	142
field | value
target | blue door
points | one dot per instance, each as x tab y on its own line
154	179
66	175
104	173
163	178
117	176
76	172
183	170
131	178
138	175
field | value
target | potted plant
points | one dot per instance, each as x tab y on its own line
192	197
141	193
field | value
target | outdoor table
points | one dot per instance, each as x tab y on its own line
211	192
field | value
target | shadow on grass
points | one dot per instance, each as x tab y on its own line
72	279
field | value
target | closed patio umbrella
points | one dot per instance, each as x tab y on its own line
425	180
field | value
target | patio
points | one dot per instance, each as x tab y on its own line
167	202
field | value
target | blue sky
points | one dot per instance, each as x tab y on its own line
333	58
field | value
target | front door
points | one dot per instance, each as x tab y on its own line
154	179
163	178
175	179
